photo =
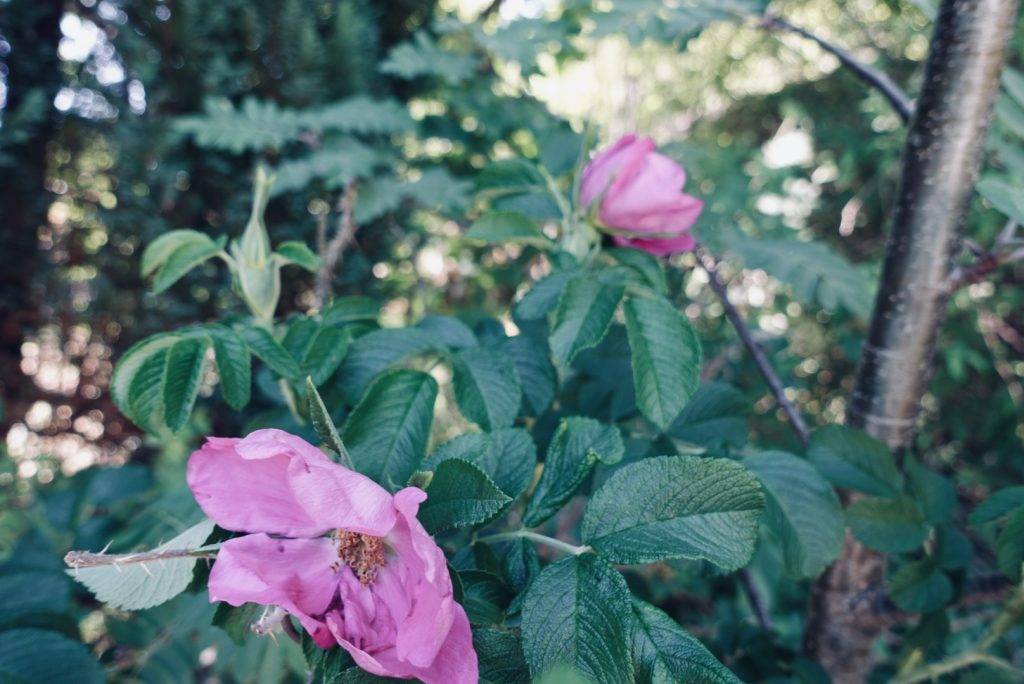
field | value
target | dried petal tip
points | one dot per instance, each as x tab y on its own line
363	553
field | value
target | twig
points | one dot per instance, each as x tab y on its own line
873	77
87	559
796	421
332	252
756	601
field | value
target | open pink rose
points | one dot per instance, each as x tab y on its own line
641	193
337	551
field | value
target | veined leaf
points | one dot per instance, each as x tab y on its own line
508	456
501	657
324	424
664	652
715	412
460	495
536	373
666	357
387	432
133	585
852	459
131	362
487	387
159	250
802	510
920	587
498	227
585	310
270	351
298	253
183	259
676	507
575	613
578	444
647	266
234	365
544	295
40	655
182	373
888	525
376	351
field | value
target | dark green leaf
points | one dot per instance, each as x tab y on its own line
932	492
345	310
499	227
544	295
387	432
997	505
578	444
536	373
270	351
484	596
716	413
801	509
676	507
666	358
664	652
324	424
487	387
128	367
234	365
324	353
575	613
500	656
889	525
460	495
508	456
585	310
449	331
851	459
648	266
1010	546
37	656
920	587
182	373
374	352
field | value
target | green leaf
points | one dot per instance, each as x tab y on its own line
953	549
933	493
664	652
487	387
1010	546
355	309
676	507
508	456
1003	196
578	444
997	505
574	613
716	412
666	358
33	597
449	331
536	373
814	271
182	373
270	351
423	57
324	424
234	365
500	656
39	656
128	367
498	227
132	585
920	587
324	353
484	596
646	265
544	295
387	432
146	392
585	310
298	253
374	352
237	622
460	495
801	509
851	459
888	525
159	251
183	259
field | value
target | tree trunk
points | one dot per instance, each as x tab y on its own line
940	163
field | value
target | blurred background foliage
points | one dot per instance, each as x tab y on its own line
122	120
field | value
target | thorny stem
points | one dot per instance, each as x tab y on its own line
87	559
536	537
796	421
873	77
756	601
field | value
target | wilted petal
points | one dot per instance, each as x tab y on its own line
295	574
275	482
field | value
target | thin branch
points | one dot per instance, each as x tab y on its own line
796	421
756	601
873	77
87	559
332	252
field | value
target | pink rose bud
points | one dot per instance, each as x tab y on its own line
330	546
641	194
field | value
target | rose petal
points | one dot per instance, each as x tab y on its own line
295	574
654	184
659	246
599	172
274	482
674	216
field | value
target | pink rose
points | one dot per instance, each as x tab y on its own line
337	551
641	193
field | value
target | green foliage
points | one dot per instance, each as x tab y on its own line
506	226
576	613
664	652
890	525
853	460
507	456
487	387
585	310
460	495
676	507
36	655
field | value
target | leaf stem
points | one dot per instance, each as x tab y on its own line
538	538
87	559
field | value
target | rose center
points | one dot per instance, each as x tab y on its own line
364	554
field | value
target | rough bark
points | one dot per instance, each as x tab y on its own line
940	164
